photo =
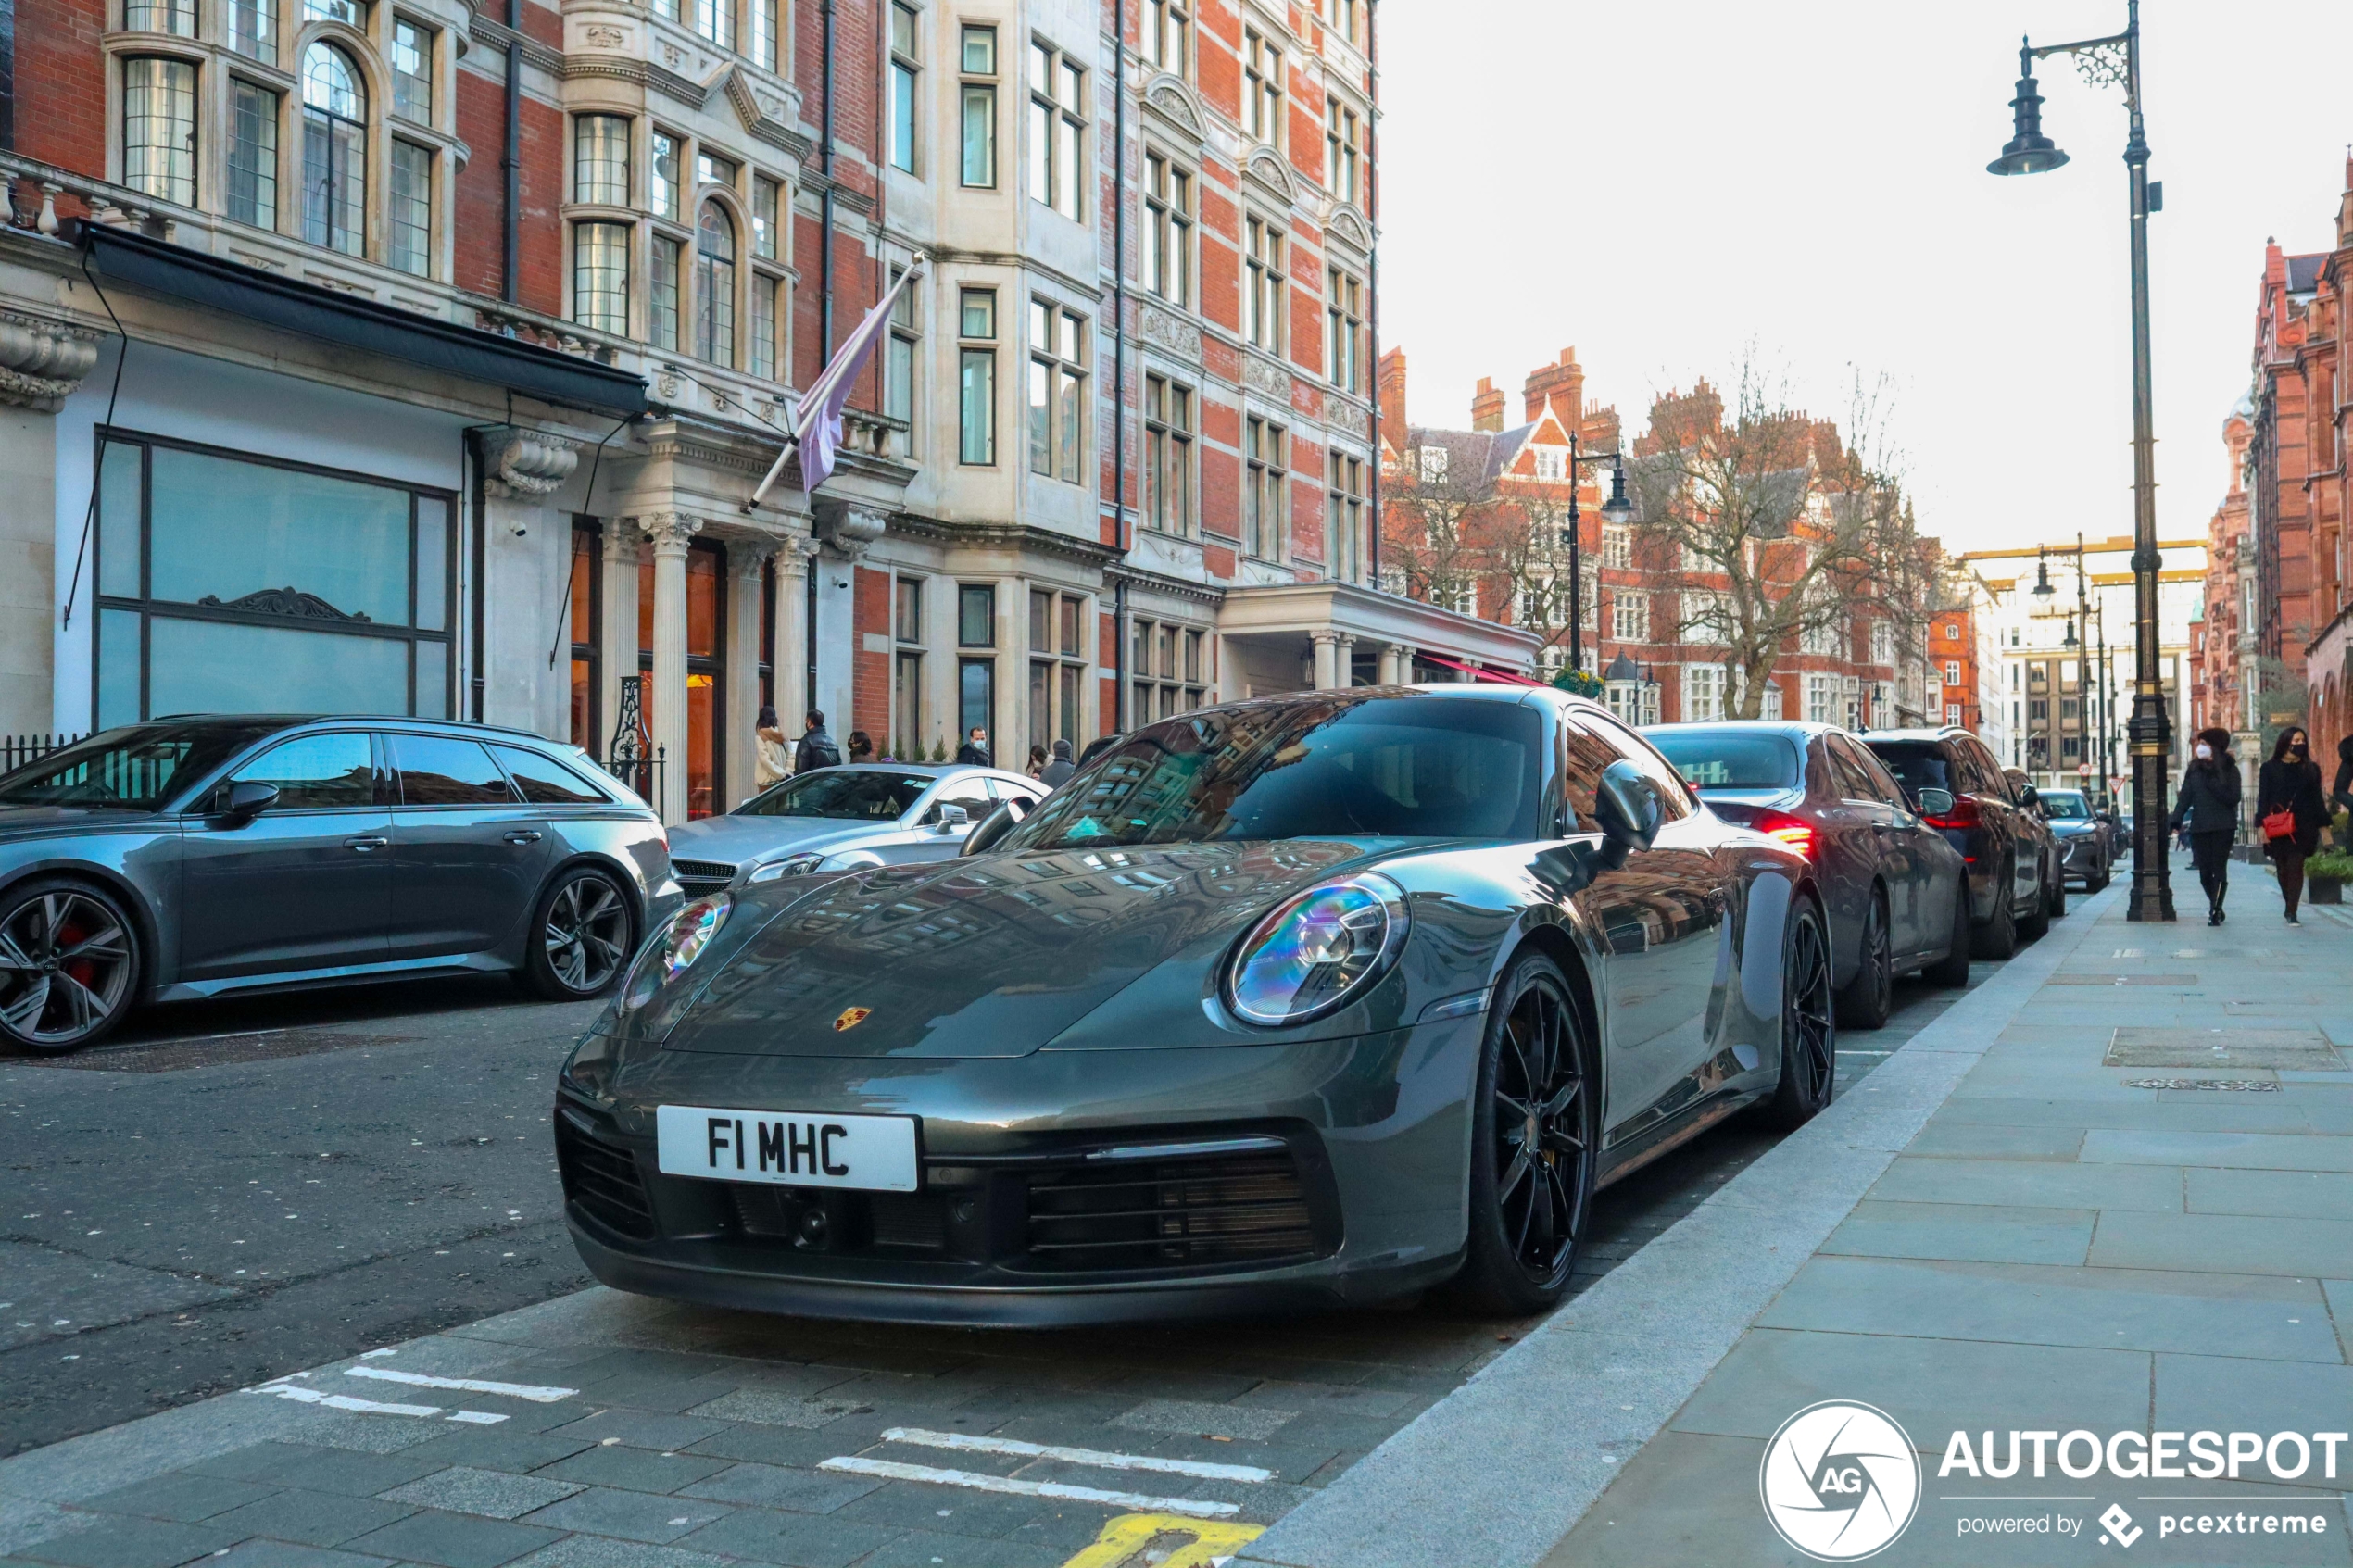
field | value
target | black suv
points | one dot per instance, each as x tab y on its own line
2016	885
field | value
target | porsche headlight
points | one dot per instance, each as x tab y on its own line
791	865
1316	950
678	945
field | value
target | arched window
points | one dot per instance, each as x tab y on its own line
715	285
334	151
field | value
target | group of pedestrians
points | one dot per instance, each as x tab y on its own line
2290	810
776	758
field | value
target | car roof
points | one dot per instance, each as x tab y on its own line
1771	726
1941	732
404	721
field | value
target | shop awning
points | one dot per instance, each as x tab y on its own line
132	259
1500	677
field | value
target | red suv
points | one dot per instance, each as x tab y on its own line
2016	885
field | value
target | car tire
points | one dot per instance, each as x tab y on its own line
2058	909
2099	883
1529	1211
1951	971
1997	938
1868	997
71	965
583	932
1809	1023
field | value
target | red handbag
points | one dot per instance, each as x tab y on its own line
2280	824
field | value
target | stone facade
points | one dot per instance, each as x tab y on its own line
1123	414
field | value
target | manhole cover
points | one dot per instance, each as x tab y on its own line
2240	1086
176	1056
2305	1049
2174	980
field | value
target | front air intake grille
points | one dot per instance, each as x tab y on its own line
602	1179
1248	1208
701	878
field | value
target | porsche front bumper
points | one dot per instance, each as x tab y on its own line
1060	1187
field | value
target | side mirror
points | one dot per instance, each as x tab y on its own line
248	798
994	826
2028	797
948	816
1626	805
1934	802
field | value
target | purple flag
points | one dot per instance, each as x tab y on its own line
817	426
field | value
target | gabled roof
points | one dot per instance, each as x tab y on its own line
2304	272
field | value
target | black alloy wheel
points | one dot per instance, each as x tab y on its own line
581	939
2057	908
1951	971
68	965
1536	1130
1809	1025
1870	996
1997	938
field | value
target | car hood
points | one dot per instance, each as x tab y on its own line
988	956
42	821
738	839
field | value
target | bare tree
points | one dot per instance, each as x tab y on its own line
1773	529
1434	526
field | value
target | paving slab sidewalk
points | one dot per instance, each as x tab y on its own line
1997	1232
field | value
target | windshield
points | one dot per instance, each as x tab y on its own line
1406	767
2064	805
131	769
1728	758
1918	765
838	792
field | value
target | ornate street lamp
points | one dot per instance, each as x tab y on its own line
2116	61
1616	511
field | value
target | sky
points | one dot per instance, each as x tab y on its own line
1675	190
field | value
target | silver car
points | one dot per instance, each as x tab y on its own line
843	818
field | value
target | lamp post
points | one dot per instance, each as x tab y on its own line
1615	512
2116	60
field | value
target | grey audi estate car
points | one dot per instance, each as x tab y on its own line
1301	1000
196	855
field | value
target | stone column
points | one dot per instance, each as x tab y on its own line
617	636
1343	661
746	558
1327	651
42	361
794	563
671	534
527	548
1396	664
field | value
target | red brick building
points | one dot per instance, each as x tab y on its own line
547	281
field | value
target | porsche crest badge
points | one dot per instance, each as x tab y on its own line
851	1017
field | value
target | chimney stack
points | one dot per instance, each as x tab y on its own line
1487	406
1563	385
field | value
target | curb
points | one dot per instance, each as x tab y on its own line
1495	1474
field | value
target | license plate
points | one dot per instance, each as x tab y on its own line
786	1148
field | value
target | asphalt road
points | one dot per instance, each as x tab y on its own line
234	1191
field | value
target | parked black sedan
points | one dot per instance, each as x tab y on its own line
1895	890
192	856
1303	1001
2087	840
2015	888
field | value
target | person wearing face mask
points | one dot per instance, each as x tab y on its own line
2206	813
2290	784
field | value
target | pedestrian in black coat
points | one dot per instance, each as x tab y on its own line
2206	812
2291	781
816	749
974	753
1057	772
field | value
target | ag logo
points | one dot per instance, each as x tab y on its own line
2120	1525
1839	1481
851	1017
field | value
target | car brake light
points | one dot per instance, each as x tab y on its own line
1794	832
1964	815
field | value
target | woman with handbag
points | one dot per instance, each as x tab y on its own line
2206	815
2291	810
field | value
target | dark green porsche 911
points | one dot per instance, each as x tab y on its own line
1301	1000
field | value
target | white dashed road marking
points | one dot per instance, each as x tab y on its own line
890	1470
542	1396
1099	1458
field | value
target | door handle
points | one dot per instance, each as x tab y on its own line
366	842
522	836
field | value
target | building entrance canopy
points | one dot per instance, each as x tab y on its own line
1290	637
